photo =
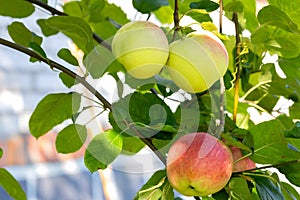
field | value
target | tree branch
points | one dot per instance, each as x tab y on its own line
56	65
176	19
81	80
222	86
54	11
176	15
237	65
149	143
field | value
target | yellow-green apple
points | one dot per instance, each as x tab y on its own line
141	47
199	164
197	61
242	165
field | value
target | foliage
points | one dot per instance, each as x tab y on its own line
144	116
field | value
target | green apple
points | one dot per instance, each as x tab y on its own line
142	48
199	164
197	61
242	165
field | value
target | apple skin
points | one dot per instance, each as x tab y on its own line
242	165
199	164
142	48
197	61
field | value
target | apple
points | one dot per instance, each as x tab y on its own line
142	48
197	61
242	165
199	164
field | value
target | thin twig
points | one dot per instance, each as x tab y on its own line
176	19
81	80
222	86
149	143
176	15
237	65
221	16
54	11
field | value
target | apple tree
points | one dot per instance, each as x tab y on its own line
205	66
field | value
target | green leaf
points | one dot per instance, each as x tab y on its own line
75	28
94	8
67	80
21	35
289	6
221	195
152	188
67	56
291	172
199	17
250	15
294	111
11	185
71	138
146	112
16	8
75	9
132	145
102	150
238	188
164	14
1	152
90	10
230	141
289	192
266	188
207	5
147	6
183	6
38	49
167	191
270	145
274	16
46	30
114	13
53	110
234	6
294	132
105	29
99	61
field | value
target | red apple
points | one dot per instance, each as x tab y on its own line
199	164
242	165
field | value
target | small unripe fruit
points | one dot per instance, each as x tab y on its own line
197	61
199	164
142	48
